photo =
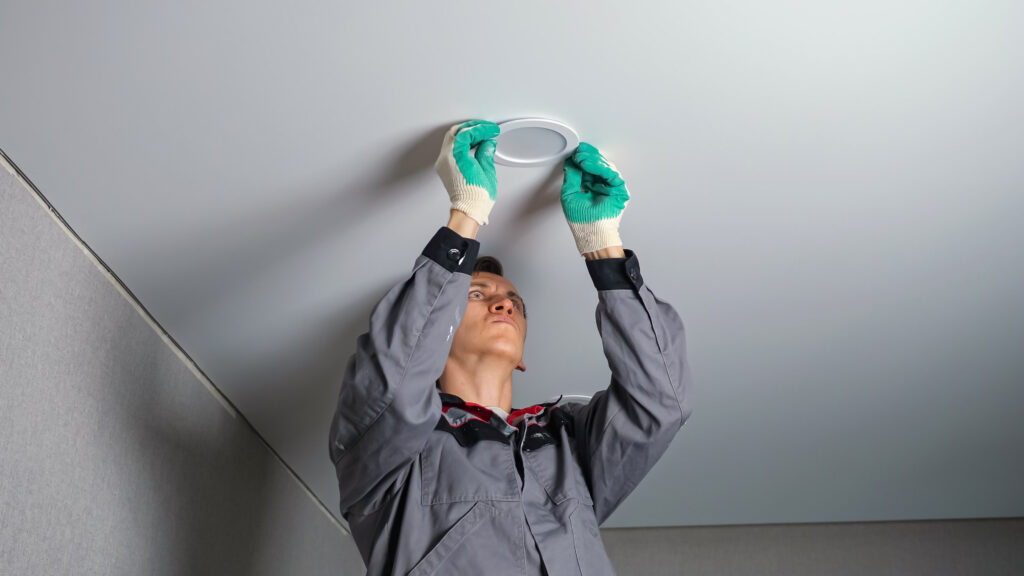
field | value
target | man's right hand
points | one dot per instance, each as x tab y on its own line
470	177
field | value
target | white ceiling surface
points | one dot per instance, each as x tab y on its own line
830	194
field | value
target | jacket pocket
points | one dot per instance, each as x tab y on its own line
454	473
559	472
451	541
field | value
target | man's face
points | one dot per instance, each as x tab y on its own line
495	320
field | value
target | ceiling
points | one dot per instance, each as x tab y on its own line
830	194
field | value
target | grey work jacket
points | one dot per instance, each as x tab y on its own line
431	484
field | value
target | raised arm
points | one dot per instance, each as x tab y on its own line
388	405
626	428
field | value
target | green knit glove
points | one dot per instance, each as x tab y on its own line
469	178
594	196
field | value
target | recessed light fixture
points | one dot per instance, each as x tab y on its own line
534	142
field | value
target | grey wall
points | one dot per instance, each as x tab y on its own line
114	457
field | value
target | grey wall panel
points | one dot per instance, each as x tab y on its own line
114	458
936	548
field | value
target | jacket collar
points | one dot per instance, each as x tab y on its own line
513	417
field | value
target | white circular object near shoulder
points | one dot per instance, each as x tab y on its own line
566	398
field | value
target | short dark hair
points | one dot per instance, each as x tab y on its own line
493	265
488	264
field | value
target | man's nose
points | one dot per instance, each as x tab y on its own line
502	305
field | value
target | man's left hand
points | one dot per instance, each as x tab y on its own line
594	197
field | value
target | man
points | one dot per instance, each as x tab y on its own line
437	473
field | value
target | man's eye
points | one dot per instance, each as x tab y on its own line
514	302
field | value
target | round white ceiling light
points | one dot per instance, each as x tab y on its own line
534	142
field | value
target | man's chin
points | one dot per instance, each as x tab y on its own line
512	354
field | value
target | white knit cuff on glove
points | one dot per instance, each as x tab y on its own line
591	236
474	201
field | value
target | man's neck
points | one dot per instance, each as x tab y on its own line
484	383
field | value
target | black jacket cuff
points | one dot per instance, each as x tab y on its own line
616	273
452	251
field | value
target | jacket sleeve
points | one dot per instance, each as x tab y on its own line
625	429
388	404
